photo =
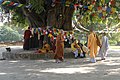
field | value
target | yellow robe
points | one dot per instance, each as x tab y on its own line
92	45
46	48
75	48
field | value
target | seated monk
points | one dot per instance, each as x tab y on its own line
76	49
45	48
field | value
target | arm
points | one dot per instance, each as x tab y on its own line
89	41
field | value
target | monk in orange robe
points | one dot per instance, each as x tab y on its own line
92	45
59	52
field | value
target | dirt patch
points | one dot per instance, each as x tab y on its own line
17	43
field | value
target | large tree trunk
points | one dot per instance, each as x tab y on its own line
58	16
35	20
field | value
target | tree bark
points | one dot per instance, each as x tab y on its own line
58	16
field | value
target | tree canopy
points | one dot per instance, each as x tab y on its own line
102	14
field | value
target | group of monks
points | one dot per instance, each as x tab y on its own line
91	48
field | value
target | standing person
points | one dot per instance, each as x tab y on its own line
27	35
104	47
92	45
59	52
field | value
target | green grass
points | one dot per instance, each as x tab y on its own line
115	47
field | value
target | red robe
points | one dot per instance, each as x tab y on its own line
27	35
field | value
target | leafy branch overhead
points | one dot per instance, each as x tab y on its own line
37	5
58	13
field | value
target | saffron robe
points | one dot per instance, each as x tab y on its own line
92	45
59	52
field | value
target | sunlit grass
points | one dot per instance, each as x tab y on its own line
114	47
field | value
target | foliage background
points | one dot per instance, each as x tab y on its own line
8	34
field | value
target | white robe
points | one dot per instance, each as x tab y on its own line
104	48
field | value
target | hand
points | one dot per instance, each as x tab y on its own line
88	47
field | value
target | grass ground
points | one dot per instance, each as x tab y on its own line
115	47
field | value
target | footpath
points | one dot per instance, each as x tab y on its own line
71	69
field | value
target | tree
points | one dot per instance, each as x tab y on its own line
9	34
103	15
43	13
59	13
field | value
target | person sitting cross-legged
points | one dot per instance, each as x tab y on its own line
75	49
45	48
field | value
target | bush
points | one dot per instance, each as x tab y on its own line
114	38
7	34
112	42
